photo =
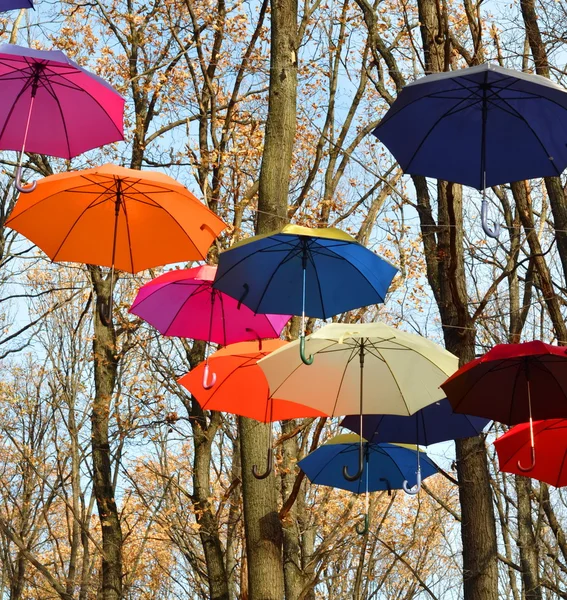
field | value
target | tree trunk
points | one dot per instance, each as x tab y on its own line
209	529
262	525
527	541
445	270
105	369
552	184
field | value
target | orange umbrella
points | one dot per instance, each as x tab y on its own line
241	387
116	217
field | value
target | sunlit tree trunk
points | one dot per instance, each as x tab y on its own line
262	525
105	371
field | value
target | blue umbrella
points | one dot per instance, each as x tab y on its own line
299	271
480	126
430	425
386	467
6	5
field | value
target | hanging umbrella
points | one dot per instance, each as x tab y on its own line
52	106
183	303
241	388
551	435
501	384
299	271
116	217
385	466
480	126
430	425
6	5
361	368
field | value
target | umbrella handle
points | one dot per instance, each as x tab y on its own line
365	526
493	233
306	360
244	294
526	469
268	466
415	489
387	484
358	474
19	185
206	383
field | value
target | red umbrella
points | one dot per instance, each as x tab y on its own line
502	384
551	435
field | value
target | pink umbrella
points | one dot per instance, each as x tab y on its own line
51	105
184	304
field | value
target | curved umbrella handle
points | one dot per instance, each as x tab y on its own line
18	183
244	294
206	383
526	469
306	360
268	466
365	526
493	233
387	484
415	489
358	474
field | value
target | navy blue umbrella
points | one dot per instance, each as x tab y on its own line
480	126
430	425
299	271
6	5
386	467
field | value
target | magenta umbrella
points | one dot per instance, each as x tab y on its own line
184	304
51	105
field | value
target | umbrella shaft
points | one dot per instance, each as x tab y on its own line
26	129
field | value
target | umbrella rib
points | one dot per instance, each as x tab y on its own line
247	256
49	88
128	234
222	313
82	213
453	111
522	118
312	261
272	393
20	94
84	91
339	257
354	352
337	453
218	386
398	386
286	259
477	381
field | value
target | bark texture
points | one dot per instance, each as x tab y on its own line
443	246
263	528
105	370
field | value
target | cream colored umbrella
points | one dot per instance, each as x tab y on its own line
368	368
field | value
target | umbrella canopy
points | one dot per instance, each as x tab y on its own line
495	386
266	272
183	303
116	217
366	368
435	423
551	437
387	465
459	124
479	126
45	97
241	387
400	372
6	5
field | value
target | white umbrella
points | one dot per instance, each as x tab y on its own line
361	368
